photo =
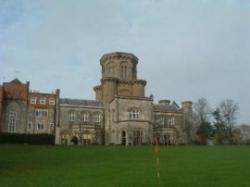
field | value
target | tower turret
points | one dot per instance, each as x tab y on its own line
119	77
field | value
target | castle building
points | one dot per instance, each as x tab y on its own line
24	111
120	114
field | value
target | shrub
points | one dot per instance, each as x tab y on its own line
14	138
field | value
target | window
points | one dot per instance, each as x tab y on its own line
29	125
124	70
137	137
43	101
134	114
110	69
85	116
98	117
52	101
171	121
162	120
72	116
12	122
33	100
40	126
51	127
41	113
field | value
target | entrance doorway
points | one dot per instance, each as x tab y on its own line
123	138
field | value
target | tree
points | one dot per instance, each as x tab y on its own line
225	116
201	110
220	135
229	110
201	119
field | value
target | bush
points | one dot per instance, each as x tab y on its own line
14	138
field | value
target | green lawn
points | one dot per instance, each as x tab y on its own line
93	166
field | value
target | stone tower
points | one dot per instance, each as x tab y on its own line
119	77
187	119
119	81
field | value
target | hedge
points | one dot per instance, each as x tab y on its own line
14	138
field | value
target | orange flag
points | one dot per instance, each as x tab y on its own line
157	147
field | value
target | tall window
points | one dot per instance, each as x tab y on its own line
97	117
124	71
110	69
171	121
137	137
29	125
134	114
51	127
72	116
161	119
12	122
85	116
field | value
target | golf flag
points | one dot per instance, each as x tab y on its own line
157	147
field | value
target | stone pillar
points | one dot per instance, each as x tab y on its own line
57	118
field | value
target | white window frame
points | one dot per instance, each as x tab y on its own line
41	113
171	121
33	100
134	114
43	101
52	101
72	116
85	117
98	117
12	122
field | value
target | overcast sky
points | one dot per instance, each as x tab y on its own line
187	49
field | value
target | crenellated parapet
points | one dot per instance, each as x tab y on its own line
120	56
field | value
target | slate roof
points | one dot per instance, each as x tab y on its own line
16	80
166	107
81	102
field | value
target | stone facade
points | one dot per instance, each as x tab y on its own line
129	121
81	120
121	113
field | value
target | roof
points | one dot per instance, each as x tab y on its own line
16	80
81	102
166	107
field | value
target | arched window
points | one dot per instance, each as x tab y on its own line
124	70
134	114
12	122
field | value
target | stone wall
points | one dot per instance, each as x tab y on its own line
87	130
121	123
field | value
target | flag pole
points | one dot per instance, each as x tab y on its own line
157	153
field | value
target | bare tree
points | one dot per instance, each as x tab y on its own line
202	110
229	110
201	120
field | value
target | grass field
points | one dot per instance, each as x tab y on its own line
93	166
